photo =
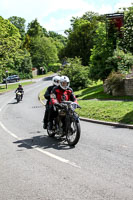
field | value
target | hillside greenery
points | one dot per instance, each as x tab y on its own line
92	48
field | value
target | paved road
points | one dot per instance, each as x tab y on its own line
34	166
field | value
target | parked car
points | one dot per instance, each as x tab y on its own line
11	79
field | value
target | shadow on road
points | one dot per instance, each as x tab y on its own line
13	102
48	78
44	142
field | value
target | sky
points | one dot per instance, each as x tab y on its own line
55	15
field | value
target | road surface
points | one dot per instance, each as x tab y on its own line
34	166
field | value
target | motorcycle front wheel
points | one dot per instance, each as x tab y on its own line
73	134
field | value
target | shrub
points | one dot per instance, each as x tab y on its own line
121	61
77	73
54	67
114	82
25	76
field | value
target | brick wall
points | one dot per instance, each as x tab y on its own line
126	90
128	87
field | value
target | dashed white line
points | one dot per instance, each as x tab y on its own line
39	149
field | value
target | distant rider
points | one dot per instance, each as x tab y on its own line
55	80
60	93
21	90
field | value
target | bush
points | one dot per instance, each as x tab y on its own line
114	82
77	73
121	61
54	67
25	76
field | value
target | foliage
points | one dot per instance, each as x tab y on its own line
19	22
127	39
114	82
43	52
77	73
120	61
35	29
42	49
101	50
23	64
54	67
9	44
80	37
112	111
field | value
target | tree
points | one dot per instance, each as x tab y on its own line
19	22
77	73
43	52
23	64
9	43
127	39
58	40
80	37
35	29
101	50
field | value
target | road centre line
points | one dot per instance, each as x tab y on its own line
39	149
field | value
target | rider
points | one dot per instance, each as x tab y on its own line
55	81
21	90
60	93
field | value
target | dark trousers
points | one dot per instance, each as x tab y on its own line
52	114
46	115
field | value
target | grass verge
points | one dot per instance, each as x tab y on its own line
44	75
95	104
112	111
41	94
13	86
100	106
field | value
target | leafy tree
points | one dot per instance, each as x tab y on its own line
43	52
19	22
58	40
80	37
101	50
9	43
127	39
35	29
77	73
45	33
23	64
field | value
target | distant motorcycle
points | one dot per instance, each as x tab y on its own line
67	123
18	96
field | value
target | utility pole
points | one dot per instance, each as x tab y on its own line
6	78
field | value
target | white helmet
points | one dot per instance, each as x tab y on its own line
56	80
64	82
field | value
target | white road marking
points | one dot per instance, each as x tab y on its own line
39	149
2	107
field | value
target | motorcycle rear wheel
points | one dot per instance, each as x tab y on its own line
50	133
18	99
73	134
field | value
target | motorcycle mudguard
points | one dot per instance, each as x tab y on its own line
76	117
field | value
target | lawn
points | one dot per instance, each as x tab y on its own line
113	111
95	104
100	106
12	86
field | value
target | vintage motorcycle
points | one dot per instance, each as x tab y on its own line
67	123
18	96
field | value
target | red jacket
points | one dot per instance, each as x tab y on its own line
58	95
